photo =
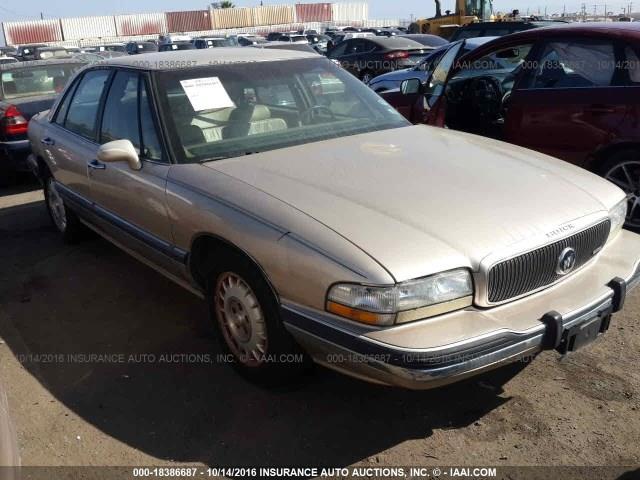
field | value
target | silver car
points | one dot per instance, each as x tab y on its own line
319	225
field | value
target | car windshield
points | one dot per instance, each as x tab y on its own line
220	42
37	80
45	54
226	111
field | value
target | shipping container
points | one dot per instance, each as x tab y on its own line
232	17
314	12
273	14
188	21
141	24
32	31
350	12
83	27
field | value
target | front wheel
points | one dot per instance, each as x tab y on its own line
623	169
64	219
247	317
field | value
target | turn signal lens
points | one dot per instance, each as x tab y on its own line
360	315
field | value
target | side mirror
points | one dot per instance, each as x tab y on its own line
119	151
411	86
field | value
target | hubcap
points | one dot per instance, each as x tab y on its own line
627	176
241	319
56	206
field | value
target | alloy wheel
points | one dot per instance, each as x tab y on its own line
56	206
626	175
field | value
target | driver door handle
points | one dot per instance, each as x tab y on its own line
47	141
96	165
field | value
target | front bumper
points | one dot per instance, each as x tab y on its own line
448	348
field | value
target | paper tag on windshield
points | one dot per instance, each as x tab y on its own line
206	93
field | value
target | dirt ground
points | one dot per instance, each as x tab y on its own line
60	303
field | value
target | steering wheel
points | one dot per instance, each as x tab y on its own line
310	113
484	96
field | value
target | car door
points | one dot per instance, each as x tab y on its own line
70	138
628	131
414	105
349	57
571	102
132	202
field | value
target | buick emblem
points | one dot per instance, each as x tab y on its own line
566	261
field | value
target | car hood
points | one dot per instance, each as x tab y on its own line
421	199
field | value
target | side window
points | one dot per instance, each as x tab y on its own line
367	46
120	118
338	50
440	73
632	65
61	115
501	61
575	64
151	147
359	46
83	110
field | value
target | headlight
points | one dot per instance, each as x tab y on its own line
618	215
403	302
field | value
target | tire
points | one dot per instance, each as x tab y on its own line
623	169
246	314
63	218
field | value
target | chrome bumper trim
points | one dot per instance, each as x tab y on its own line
347	349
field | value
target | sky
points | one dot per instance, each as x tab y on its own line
381	9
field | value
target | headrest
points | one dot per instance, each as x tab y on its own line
260	112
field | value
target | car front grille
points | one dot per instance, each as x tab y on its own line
536	269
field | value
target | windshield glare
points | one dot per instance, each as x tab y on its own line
33	81
226	111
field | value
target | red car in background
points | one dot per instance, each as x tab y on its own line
571	91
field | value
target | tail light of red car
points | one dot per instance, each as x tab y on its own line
396	55
13	122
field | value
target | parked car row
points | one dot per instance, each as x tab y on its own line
27	88
567	91
321	226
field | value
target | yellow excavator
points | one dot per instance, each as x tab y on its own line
467	11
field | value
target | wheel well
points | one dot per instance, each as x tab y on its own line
206	249
43	169
604	154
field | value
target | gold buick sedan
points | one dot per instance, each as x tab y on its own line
320	225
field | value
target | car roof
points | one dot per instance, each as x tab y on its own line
475	42
36	63
206	57
394	42
605	29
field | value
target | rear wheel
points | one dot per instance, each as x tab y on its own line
247	317
65	220
623	169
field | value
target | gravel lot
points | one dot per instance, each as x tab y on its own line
58	302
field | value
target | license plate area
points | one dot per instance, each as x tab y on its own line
585	332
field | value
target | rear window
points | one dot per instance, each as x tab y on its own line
37	80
